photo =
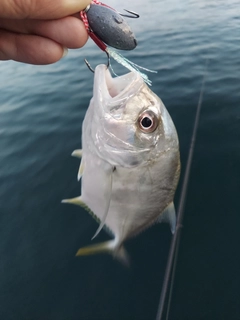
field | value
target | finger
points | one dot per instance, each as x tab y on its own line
29	48
40	9
69	31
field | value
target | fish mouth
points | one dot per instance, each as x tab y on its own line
115	88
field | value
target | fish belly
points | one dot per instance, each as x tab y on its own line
95	185
139	197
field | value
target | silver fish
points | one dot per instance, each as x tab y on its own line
130	162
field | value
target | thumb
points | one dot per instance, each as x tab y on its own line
40	9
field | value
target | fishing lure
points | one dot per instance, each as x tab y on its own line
106	27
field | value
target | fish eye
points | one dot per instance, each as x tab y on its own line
147	122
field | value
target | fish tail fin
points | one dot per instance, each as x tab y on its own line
106	247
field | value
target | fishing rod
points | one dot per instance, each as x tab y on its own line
174	248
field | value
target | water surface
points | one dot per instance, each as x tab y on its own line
41	113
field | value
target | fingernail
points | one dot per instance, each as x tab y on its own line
65	52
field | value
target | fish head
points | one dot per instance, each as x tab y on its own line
130	123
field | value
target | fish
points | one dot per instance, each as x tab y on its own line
130	161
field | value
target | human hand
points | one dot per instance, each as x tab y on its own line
39	31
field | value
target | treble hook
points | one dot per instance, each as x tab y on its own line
91	69
134	15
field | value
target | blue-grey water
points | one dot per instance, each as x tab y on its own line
41	113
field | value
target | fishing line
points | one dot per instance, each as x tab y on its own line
174	248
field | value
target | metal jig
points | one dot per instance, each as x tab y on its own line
107	28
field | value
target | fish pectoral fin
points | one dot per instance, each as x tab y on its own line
108	195
106	247
77	153
169	215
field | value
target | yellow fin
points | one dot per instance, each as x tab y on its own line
77	201
106	247
77	153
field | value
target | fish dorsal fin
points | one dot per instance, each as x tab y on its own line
169	215
78	202
108	196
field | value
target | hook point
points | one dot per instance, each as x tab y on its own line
133	15
91	69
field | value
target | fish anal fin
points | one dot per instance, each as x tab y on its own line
77	153
169	215
106	247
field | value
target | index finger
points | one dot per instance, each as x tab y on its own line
40	9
